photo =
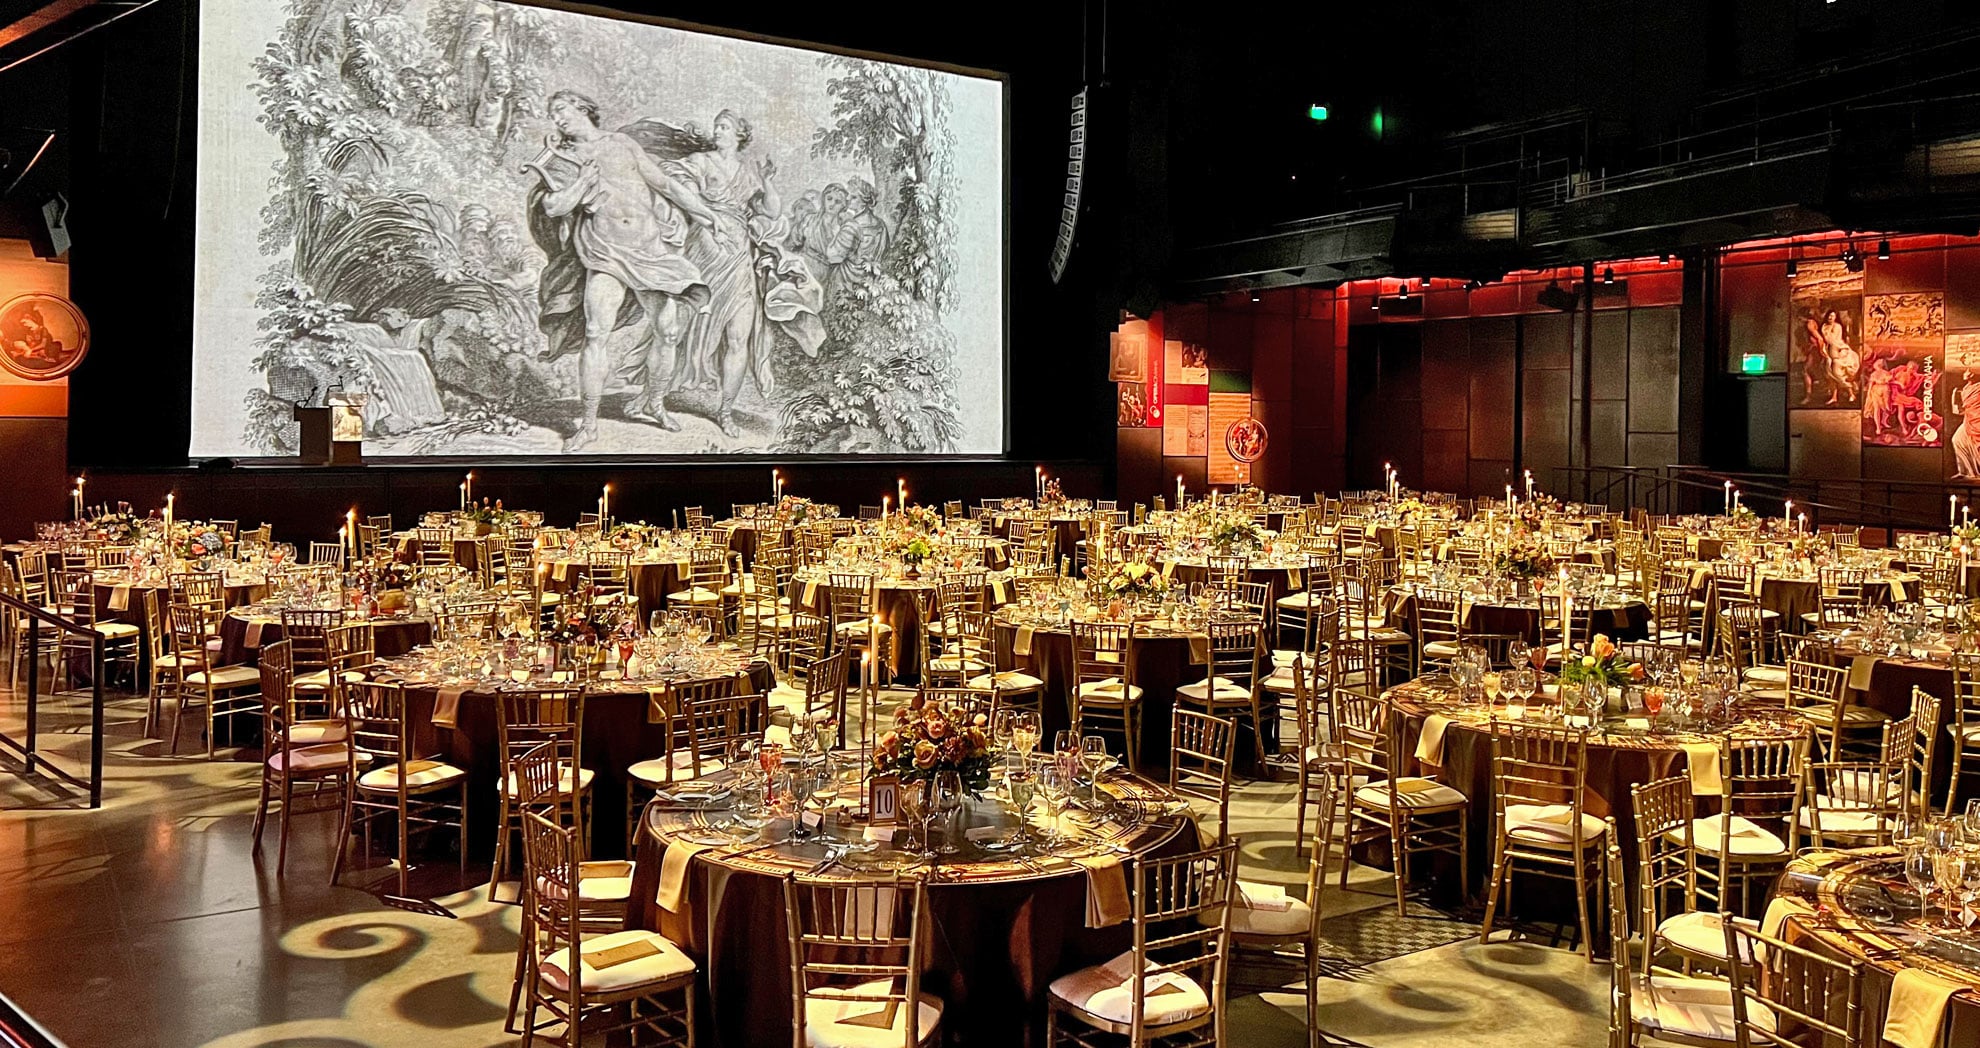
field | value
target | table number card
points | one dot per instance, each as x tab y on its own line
883	800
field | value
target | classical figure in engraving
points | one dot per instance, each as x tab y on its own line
624	222
1843	360
1966	448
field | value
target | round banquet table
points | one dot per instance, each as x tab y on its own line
1280	579
1158	663
650	580
1793	597
1070	530
467	550
1618	758
1864	905
1884	682
124	602
998	931
243	636
1621	622
618	733
899	603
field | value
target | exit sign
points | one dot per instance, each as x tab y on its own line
1753	363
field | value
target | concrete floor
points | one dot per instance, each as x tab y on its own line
151	923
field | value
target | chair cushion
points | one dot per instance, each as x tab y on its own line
1415	792
1111	691
1442	649
1765	675
1106	990
1007	680
306	760
310	733
860	626
1226	691
1852	714
667	963
1698	933
1748	840
696	595
956	664
1300	601
425	775
1547	824
115	630
662	770
1843	821
1698	1008
225	676
1295	919
831	1021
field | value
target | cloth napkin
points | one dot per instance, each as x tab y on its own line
253	639
1430	744
810	594
1898	595
1917	1015
1168	568
657	706
1106	891
613	956
1254	895
674	871
1295	579
1702	759
1021	645
1779	909
1860	669
560	570
998	592
1199	649
120	597
447	706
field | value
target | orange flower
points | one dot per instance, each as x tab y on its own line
924	754
890	743
1603	647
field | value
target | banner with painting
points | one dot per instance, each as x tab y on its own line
1962	383
1904	338
1824	359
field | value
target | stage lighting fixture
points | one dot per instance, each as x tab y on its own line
1883	251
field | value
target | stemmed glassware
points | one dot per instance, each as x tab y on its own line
1024	731
1520	684
1093	756
1021	782
1055	786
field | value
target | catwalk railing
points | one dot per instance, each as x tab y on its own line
19	1030
69	640
1858	501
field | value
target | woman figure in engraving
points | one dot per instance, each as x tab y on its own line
738	334
1965	445
1843	361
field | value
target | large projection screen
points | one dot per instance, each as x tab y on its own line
529	231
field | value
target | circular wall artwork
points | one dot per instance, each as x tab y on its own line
42	337
1245	439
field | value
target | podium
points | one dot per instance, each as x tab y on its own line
313	449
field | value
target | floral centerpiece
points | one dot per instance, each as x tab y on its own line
629	537
1743	514
923	519
1012	505
1601	663
1522	557
1136	578
793	510
915	551
201	540
488	517
930	737
1234	532
1409	509
1054	495
573	620
1966	537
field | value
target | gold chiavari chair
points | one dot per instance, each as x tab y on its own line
436	547
1673	1009
853	599
166	669
1439	631
206	591
762	613
856	960
1539	776
1231	686
1842	598
817	690
1856	804
327	552
420	794
305	629
466	619
1295	610
369	538
1171	984
1319	757
528	718
1200	748
1819	694
1415	814
1104	692
1267	923
970	652
326	768
1924	746
685	755
226	692
1748	833
1667	868
1965	726
635	984
1784	995
120	639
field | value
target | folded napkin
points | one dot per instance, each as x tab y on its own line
1199	649
674	871
1106	892
1295	579
560	570
447	706
1430	744
1021	645
1253	895
1860	669
1702	760
1168	568
1898	594
120	597
1415	785
999	594
1779	909
1917	1015
253	639
604	869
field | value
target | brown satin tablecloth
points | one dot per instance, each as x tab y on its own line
998	932
242	637
1864	902
650	580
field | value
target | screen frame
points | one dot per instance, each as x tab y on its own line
1003	452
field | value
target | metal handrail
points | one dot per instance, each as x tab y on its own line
1659	490
19	1030
25	746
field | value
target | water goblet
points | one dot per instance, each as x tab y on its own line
1093	756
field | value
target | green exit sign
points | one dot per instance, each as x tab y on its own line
1317	112
1753	363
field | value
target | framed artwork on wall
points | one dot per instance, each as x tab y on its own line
1902	370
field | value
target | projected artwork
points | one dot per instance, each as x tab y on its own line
535	232
1905	337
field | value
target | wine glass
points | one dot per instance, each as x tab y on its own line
1918	873
1001	728
1973	821
1093	757
1948	873
1518	651
1024	731
1055	786
910	803
1021	782
1942	834
947	802
1065	744
804	734
1520	684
